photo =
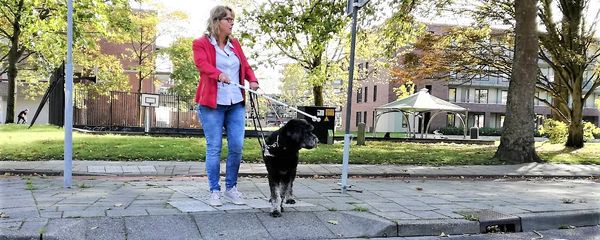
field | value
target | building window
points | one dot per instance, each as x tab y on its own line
481	95
452	94
429	88
366	93
502	120
479	120
373	120
359	95
451	120
374	93
363	70
537	98
365	117
504	97
358	118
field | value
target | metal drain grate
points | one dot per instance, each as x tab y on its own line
490	221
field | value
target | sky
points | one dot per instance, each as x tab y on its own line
198	12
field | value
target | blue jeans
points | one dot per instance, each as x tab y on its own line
232	118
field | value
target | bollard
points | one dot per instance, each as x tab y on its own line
360	138
330	136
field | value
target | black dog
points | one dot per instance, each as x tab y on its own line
281	160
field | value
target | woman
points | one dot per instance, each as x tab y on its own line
220	61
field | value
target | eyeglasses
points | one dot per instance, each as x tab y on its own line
229	19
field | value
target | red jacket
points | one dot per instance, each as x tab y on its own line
205	60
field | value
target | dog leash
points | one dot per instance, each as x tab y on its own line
314	118
256	121
257	125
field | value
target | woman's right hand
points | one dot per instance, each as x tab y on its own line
224	78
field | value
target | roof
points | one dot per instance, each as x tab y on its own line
421	102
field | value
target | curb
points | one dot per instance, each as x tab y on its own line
49	172
408	228
333	225
558	220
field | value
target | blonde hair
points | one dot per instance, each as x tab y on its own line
216	14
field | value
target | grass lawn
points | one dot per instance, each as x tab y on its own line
46	143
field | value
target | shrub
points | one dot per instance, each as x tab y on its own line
588	131
596	133
556	131
451	131
487	131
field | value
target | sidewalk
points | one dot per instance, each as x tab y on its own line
174	168
134	202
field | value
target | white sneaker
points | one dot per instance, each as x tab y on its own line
234	196
215	199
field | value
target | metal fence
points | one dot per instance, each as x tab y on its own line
123	109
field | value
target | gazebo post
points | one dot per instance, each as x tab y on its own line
466	123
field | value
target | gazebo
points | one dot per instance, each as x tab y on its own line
419	103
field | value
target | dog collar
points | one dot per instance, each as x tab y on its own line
275	145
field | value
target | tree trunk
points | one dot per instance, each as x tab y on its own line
517	142
13	58
139	91
12	80
318	95
575	137
565	113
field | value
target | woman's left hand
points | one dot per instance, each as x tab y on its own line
253	85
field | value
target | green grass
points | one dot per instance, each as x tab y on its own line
46	143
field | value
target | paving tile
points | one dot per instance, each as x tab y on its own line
191	206
85	213
96	169
126	212
130	169
113	169
181	225
147	169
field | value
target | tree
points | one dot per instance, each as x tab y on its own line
398	44
295	91
516	143
141	36
570	49
567	47
185	74
305	31
36	28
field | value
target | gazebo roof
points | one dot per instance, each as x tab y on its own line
420	102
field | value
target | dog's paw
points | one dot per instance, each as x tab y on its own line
275	214
290	201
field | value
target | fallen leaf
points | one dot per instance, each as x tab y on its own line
334	222
419	189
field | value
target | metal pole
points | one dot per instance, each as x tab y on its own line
147	120
68	124
347	135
